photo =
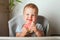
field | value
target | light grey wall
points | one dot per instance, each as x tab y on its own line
48	8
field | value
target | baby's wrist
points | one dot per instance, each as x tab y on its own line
35	30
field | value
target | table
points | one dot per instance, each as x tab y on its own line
29	38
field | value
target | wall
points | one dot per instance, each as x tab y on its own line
48	8
4	15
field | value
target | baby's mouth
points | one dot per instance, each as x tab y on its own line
29	19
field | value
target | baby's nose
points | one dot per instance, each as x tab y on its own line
30	17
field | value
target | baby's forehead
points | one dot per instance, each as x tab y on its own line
33	10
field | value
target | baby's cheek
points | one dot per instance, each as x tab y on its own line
34	19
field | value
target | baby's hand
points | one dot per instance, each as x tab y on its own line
28	26
24	31
33	26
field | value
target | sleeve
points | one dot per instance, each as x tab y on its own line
39	27
19	29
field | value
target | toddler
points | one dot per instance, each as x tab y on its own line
30	28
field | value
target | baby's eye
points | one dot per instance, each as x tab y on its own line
27	14
33	15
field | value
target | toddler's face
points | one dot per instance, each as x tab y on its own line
30	15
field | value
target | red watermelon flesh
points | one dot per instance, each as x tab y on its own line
28	25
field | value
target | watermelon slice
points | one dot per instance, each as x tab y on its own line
28	25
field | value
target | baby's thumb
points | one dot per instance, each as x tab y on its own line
32	24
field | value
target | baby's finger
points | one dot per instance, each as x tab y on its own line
32	23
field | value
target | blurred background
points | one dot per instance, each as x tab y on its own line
47	8
4	17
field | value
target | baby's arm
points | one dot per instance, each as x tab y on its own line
23	33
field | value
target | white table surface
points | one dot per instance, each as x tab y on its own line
29	38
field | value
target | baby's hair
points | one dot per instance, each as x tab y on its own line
33	6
